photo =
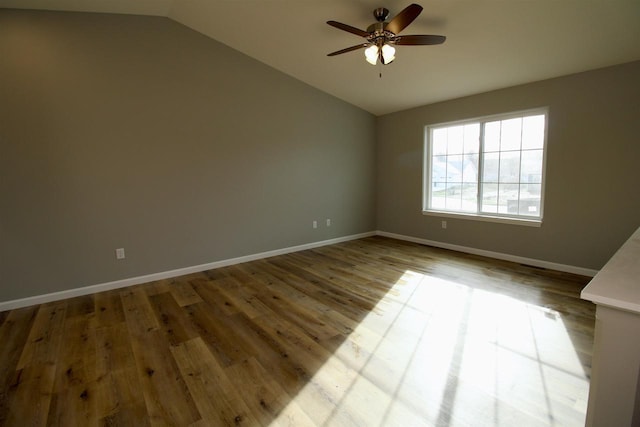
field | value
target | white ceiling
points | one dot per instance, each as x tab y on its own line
490	44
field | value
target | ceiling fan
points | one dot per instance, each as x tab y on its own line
382	36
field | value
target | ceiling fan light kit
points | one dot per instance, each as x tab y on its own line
386	54
381	36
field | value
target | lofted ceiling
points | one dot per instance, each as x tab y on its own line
491	44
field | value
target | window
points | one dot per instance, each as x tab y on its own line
491	168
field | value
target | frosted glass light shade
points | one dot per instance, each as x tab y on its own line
388	53
371	54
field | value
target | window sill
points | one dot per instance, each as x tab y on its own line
486	218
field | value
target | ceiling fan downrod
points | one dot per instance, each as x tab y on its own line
381	14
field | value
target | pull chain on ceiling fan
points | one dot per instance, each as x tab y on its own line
382	36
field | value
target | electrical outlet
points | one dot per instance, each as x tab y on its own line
328	222
444	224
120	253
315	224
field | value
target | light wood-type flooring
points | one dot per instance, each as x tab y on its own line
371	332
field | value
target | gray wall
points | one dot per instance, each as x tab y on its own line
592	202
136	132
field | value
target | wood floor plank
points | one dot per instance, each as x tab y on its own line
216	329
117	383
45	335
30	396
74	392
328	385
31	390
3	317
108	309
367	332
242	298
297	313
184	294
159	286
171	318
339	300
216	289
353	287
138	312
268	402
166	395
216	398
82	305
13	336
269	352
365	302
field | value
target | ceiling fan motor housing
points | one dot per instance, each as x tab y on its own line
378	33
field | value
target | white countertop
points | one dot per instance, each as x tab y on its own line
618	283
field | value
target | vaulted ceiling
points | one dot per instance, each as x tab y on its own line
490	44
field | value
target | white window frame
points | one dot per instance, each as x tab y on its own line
478	215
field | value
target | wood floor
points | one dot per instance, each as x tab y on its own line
363	333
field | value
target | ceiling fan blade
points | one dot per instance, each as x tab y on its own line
348	28
348	49
419	40
404	18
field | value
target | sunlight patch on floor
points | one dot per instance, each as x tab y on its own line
433	346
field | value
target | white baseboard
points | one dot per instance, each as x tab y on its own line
101	287
497	255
